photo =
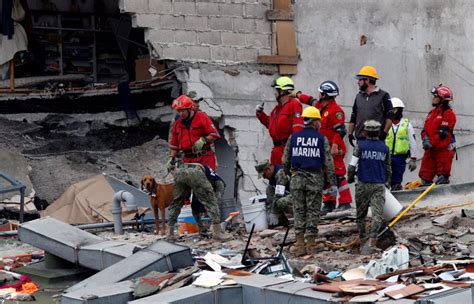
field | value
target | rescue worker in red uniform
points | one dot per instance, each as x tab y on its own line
284	119
193	134
332	126
438	138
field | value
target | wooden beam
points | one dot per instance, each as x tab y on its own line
282	15
282	4
286	43
278	59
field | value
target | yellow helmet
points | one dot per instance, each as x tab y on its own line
367	72
284	83
311	112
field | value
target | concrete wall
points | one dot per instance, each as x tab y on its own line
218	31
413	44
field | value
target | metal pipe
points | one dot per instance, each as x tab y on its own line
110	224
119	197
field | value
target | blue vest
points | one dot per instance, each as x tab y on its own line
307	149
372	161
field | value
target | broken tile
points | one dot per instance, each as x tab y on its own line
405	292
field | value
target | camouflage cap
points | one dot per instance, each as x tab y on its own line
192	95
372	125
261	166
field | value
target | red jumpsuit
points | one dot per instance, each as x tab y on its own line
332	115
437	160
184	135
282	122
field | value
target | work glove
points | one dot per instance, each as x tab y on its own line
170	164
259	108
412	165
426	143
332	191
387	185
382	135
199	144
272	219
352	139
350	178
295	93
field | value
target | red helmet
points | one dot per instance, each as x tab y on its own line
182	102
443	92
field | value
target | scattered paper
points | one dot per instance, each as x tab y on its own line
209	279
392	279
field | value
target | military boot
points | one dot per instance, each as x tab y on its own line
298	248
218	235
202	228
372	246
310	244
171	236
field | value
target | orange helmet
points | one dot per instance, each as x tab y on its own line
182	102
442	92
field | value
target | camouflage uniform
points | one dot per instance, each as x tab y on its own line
193	177
369	194
273	199
218	186
306	189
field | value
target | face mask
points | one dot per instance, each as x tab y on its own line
398	114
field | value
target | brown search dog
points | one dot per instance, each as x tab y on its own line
161	196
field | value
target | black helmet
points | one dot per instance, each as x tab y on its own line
329	88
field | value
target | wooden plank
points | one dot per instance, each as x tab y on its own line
286	44
282	4
286	38
282	15
277	59
285	69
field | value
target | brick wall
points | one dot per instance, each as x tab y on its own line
212	31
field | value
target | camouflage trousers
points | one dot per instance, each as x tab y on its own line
373	196
219	187
306	191
192	177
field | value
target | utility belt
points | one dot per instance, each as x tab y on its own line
192	166
191	154
277	143
295	171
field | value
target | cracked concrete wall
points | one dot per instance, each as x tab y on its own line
218	31
235	98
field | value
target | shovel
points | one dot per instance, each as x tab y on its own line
385	236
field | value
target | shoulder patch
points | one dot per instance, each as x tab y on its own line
339	115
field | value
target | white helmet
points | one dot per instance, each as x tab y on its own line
397	102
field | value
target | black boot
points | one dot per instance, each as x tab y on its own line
328	207
442	180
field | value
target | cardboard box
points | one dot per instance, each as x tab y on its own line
143	64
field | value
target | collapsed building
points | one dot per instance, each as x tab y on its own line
119	62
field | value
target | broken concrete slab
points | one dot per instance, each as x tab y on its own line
141	263
183	296
177	256
102	255
56	237
117	293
